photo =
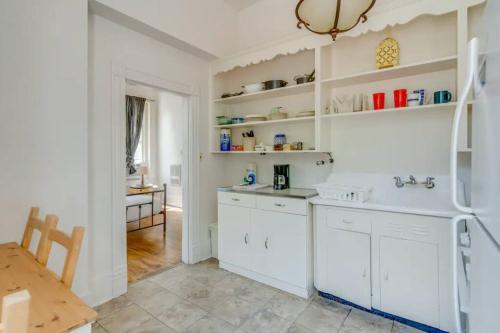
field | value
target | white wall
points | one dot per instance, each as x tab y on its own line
303	169
207	25
43	131
172	111
265	22
110	43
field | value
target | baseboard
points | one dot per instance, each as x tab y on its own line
292	289
101	290
201	251
120	282
408	322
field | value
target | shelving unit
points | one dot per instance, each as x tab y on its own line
420	108
268	122
433	57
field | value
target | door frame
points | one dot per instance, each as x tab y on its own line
190	165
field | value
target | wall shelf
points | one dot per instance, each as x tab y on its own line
278	92
267	152
434	107
268	122
428	66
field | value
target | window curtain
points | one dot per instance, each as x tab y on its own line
135	115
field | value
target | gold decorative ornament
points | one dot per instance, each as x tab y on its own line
387	53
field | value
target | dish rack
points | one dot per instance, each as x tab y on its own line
343	192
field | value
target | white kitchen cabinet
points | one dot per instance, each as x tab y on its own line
409	285
268	239
348	266
280	245
406	258
235	234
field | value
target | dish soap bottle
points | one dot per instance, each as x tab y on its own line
251	177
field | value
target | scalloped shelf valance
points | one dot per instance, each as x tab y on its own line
394	12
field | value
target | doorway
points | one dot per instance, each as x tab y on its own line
182	216
154	146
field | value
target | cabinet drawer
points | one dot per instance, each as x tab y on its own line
282	205
346	219
236	199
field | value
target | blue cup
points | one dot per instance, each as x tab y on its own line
421	92
442	96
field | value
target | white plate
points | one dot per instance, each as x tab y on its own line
305	114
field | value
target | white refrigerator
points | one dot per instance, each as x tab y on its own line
476	249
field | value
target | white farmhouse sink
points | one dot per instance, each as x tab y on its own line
412	199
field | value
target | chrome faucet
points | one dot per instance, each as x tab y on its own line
399	183
412	181
429	182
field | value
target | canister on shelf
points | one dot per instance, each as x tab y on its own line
279	141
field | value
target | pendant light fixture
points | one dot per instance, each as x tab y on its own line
331	17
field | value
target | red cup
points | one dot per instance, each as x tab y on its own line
378	100
400	98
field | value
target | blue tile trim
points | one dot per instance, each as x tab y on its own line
422	327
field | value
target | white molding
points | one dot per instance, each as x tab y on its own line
101	291
202	251
121	74
119	281
118	175
396	13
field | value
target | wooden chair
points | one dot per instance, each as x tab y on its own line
15	312
72	244
34	222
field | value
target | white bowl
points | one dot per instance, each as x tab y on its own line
253	88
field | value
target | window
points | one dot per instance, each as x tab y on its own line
142	152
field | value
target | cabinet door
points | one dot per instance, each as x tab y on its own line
409	279
281	246
234	235
348	266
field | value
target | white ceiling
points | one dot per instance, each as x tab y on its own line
241	4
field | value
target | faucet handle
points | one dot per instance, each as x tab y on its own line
412	180
429	182
399	183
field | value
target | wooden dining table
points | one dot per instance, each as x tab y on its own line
53	307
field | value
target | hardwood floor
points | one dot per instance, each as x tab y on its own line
148	251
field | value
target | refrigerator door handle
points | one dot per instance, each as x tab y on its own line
461	104
454	269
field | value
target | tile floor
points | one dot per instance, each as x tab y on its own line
204	298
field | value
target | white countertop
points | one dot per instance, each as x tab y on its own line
411	199
293	192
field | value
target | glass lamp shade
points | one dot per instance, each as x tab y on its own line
143	170
331	16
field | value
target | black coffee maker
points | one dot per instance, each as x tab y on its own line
281	176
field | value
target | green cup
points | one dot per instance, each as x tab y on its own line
442	96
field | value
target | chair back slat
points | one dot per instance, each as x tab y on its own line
72	244
15	312
34	222
42	253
